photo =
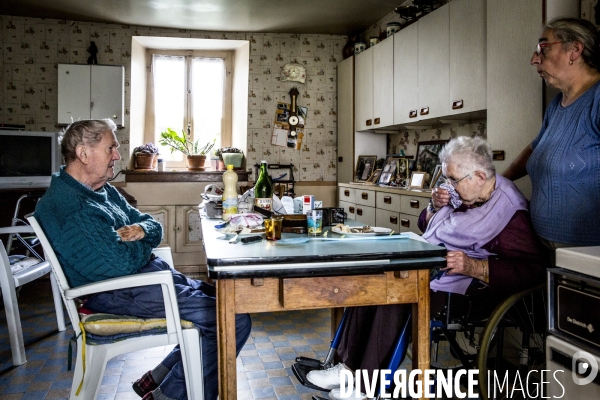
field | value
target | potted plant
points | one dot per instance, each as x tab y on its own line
230	156
146	156
195	154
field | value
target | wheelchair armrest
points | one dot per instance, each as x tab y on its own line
16	229
146	279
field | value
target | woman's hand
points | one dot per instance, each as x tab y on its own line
131	233
457	262
440	198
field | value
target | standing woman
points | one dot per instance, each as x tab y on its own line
563	161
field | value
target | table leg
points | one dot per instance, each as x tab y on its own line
226	339
420	324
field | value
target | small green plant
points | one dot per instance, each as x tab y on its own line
148	148
183	143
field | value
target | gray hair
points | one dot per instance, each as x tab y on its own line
88	131
469	154
570	30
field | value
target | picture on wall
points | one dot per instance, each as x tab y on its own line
428	156
435	178
364	168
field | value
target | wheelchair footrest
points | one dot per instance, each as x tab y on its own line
301	371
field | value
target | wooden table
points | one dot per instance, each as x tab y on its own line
266	277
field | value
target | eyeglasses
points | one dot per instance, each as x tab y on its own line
540	47
455	183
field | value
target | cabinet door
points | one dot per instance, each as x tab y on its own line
107	92
365	214
73	92
188	230
165	215
434	74
363	90
387	219
406	75
383	83
345	120
349	209
468	73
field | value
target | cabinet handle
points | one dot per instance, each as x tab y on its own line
347	193
387	199
369	122
405	223
365	195
377	120
412	114
414	204
457	104
359	211
351	210
424	110
177	228
393	220
340	159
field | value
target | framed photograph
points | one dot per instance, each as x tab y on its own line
428	156
395	169
417	180
374	176
435	178
364	168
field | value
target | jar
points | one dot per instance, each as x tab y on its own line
392	27
161	165
359	47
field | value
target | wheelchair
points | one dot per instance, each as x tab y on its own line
507	346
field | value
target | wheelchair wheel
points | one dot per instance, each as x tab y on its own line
512	354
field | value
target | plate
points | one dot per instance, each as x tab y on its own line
377	231
240	235
292	241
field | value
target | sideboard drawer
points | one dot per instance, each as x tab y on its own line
388	201
387	219
365	197
346	194
413	205
408	223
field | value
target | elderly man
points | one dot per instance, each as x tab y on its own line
97	236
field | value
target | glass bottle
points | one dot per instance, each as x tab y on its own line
230	195
263	190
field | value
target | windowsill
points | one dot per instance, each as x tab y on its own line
180	176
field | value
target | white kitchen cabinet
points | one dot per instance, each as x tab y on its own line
365	214
90	91
406	75
468	73
374	85
433	60
182	232
345	120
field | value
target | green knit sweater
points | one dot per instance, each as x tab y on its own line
81	226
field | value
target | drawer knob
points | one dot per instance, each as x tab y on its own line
457	104
405	223
387	199
365	195
412	114
377	120
414	204
369	123
393	220
359	211
424	111
351	209
347	193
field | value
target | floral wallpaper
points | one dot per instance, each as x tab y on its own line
32	47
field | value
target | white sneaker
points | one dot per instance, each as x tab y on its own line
327	378
335	394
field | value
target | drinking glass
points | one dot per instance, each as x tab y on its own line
273	228
315	222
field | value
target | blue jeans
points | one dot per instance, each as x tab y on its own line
196	300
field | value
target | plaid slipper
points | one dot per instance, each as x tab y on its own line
145	385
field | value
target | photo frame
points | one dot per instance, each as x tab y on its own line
365	165
395	169
435	178
417	180
428	156
374	176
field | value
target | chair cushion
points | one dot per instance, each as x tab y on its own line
112	324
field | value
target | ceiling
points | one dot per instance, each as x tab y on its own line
339	17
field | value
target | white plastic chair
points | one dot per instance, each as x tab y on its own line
96	356
9	282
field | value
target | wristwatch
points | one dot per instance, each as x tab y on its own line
431	207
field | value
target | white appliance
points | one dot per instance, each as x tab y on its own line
573	343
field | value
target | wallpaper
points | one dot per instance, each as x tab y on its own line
32	47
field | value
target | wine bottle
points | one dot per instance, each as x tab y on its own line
263	190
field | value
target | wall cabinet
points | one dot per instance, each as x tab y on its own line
183	233
90	91
406	75
374	101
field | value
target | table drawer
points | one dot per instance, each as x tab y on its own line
365	215
365	197
388	201
349	208
408	223
346	194
413	205
387	219
334	291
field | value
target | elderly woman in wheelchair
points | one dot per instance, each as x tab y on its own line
493	253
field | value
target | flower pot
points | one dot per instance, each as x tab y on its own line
196	163
234	159
145	161
221	166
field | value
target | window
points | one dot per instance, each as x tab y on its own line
191	92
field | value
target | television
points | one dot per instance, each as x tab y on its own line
28	159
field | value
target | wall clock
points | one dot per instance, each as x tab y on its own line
293	72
